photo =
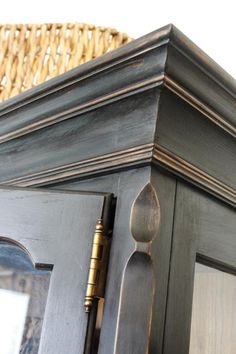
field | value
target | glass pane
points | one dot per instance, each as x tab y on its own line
213	328
23	294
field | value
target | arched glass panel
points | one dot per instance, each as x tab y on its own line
23	295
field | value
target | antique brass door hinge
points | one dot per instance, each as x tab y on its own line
98	266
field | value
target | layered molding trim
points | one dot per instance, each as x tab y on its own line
84	107
155	81
133	157
137	155
101	65
190	172
199	105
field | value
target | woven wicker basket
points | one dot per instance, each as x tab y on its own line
32	54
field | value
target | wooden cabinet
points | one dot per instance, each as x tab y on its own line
56	231
147	134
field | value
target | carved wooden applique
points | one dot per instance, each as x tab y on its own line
138	280
145	215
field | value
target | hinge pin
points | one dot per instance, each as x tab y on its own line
98	267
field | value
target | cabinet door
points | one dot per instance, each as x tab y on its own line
45	247
201	309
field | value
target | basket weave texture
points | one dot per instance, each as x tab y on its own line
31	54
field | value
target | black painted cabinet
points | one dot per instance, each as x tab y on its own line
46	242
144	138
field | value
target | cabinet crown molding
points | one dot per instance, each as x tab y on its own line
157	100
163	58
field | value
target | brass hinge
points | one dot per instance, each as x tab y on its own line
98	267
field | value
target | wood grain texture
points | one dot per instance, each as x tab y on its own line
103	131
195	139
121	81
107	163
193	174
184	57
127	186
127	135
145	215
55	228
201	106
138	279
204	228
135	67
138	284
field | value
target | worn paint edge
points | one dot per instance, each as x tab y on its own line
188	171
135	156
155	81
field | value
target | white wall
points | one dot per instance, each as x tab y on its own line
211	24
